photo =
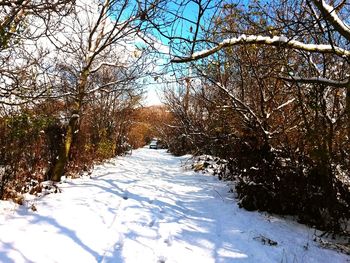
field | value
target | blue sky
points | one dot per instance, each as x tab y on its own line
181	28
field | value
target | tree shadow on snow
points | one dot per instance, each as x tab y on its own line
198	225
38	219
5	248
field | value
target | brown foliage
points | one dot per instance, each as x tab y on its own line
149	122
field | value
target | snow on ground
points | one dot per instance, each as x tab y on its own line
146	208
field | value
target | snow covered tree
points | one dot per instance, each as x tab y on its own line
283	67
314	29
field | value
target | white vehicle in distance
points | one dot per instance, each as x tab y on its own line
153	144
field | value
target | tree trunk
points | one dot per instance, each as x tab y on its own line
347	110
65	149
72	126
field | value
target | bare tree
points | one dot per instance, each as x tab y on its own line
93	41
14	16
314	29
24	75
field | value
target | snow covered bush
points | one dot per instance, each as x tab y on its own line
209	164
270	183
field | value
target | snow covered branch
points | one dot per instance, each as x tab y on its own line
319	80
285	104
331	16
277	41
116	64
106	87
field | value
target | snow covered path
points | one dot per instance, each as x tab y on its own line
146	208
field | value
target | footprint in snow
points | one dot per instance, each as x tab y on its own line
161	260
125	195
169	240
151	224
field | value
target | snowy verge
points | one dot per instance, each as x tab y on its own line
216	166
